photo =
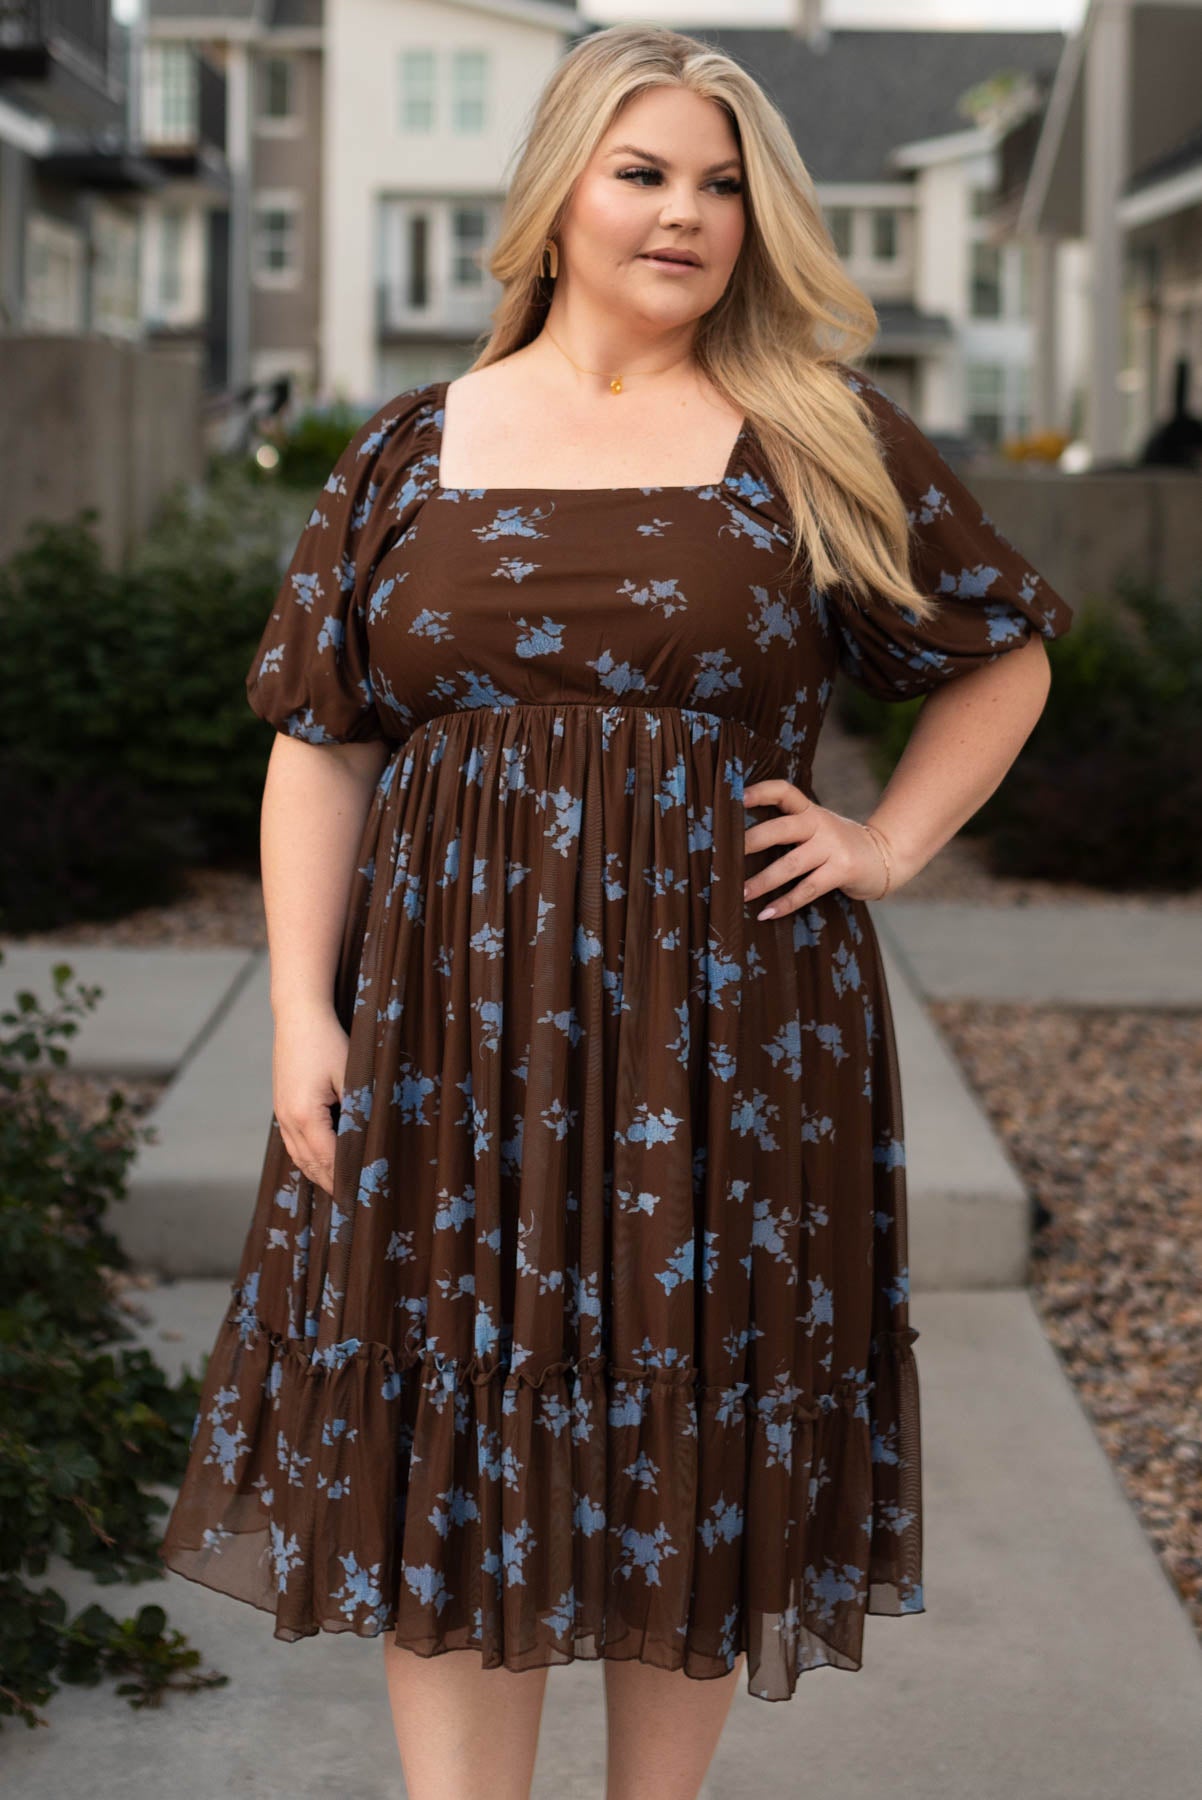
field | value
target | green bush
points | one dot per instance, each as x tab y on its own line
87	1426
314	442
1108	787
126	743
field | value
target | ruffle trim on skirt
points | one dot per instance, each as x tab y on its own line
461	1503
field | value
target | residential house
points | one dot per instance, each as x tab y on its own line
425	107
177	118
1117	168
241	243
70	187
895	128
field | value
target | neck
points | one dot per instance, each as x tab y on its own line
590	345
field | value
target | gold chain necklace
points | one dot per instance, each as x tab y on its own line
615	381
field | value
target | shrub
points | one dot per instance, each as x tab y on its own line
87	1425
1107	788
126	743
313	443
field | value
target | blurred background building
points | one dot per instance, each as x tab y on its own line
306	190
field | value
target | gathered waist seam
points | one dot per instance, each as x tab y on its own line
600	706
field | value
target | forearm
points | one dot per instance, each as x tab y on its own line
315	802
964	740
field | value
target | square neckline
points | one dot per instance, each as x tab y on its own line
680	487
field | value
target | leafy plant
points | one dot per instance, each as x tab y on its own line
1108	787
314	442
88	1425
127	749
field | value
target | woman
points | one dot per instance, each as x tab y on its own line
573	1317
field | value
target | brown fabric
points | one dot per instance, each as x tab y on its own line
601	1344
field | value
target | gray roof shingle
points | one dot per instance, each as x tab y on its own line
851	103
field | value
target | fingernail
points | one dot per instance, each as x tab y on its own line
769	912
747	890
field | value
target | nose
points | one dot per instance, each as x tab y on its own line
680	205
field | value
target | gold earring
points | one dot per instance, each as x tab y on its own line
551	253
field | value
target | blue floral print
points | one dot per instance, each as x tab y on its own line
600	1344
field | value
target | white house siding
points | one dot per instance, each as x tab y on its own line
369	158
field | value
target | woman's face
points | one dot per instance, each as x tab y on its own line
666	175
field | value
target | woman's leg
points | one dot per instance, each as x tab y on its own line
464	1732
662	1728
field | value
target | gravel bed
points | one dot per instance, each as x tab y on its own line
1099	1109
219	909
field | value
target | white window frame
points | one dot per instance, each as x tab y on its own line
894	257
998	251
448	299
287	200
116	266
847	215
469	87
170	101
172	218
417	59
54	292
478	282
287	124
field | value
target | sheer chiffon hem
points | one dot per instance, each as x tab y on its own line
767	1524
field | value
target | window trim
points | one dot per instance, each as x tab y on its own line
289	124
288	200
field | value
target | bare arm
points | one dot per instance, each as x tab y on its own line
964	739
315	803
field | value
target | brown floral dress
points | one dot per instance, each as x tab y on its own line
600	1345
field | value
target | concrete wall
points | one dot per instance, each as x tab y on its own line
1081	532
95	422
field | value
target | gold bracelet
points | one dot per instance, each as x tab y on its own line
883	852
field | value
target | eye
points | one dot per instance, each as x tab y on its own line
729	184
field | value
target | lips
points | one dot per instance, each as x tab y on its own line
672	256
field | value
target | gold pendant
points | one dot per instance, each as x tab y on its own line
615	384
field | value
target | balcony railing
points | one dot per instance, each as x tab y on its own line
31	28
183	99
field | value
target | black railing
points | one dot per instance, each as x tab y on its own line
35	24
211	94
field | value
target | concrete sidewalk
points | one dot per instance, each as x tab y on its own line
201	1020
1054	1658
1054	1661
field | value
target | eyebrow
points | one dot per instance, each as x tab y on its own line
732	162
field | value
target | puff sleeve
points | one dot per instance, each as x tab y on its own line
310	676
990	598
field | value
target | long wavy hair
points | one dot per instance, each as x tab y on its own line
789	317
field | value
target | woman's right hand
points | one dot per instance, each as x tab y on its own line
308	1067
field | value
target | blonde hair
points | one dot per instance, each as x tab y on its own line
789	318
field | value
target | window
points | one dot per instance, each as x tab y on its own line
980	202
1022	381
276	245
985	301
115	272
986	401
169	94
838	219
54	260
884	233
467	241
1023	259
276	87
171	244
417	90
469	72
